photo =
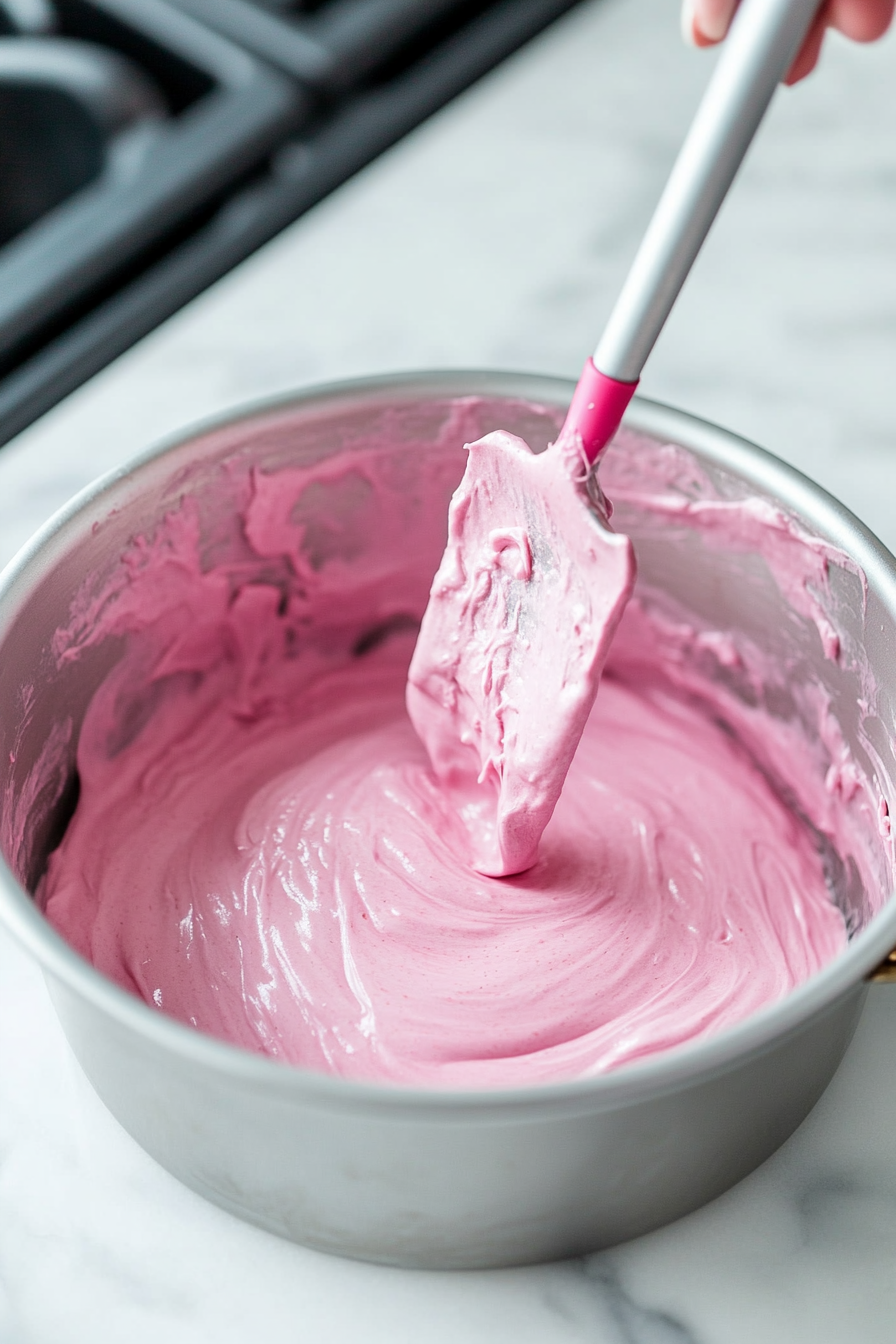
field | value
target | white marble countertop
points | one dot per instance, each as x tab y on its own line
497	236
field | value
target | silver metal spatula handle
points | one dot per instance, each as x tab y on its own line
764	39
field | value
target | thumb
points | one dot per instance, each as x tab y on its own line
705	22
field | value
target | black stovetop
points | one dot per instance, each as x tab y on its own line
147	146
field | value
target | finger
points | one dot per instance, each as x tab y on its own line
705	22
861	20
809	52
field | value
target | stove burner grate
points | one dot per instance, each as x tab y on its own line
147	147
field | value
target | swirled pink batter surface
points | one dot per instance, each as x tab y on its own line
261	849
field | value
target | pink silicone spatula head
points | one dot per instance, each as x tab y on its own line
520	617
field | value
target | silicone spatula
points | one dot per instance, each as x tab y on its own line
533	581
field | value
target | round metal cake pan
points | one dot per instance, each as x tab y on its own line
402	1176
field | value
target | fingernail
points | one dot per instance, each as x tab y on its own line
691	31
687	23
714	22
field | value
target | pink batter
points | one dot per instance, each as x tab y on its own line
518	626
260	848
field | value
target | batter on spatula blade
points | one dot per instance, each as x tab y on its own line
520	619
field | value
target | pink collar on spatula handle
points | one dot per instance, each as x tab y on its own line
596	410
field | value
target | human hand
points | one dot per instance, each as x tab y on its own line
705	22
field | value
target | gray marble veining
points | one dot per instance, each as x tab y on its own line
497	236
